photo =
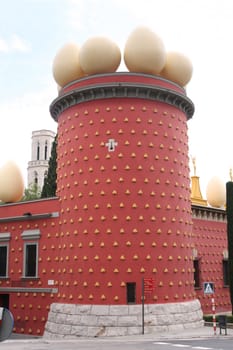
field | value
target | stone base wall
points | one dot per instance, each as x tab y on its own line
74	320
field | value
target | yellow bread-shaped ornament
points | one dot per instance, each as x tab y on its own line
66	66
11	183
99	55
178	68
216	192
144	52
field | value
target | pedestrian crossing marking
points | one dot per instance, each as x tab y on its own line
177	345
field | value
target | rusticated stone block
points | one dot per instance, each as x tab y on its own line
110	321
118	310
116	320
96	310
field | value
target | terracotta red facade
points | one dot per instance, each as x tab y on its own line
210	239
29	299
123	209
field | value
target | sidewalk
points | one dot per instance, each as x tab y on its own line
20	342
201	332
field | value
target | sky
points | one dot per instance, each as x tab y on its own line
32	32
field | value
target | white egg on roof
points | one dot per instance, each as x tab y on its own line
178	68
144	52
216	192
66	66
11	183
99	55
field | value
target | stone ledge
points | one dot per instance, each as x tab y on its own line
73	320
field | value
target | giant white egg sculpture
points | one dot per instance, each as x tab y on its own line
178	68
144	52
216	192
66	66
11	183
99	55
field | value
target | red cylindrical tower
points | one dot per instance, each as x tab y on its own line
124	188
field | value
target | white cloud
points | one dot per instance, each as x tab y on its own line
22	115
18	44
75	14
3	45
14	44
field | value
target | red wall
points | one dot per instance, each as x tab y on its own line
127	213
123	215
210	240
61	261
30	309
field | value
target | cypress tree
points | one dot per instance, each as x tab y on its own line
229	211
50	181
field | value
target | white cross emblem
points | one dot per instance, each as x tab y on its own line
111	144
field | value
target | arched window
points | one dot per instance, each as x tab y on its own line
46	150
35	177
38	150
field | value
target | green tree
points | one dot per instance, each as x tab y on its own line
31	193
229	211
50	181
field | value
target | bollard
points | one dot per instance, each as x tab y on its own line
222	322
214	316
7	323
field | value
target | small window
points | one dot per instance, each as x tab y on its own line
196	267
131	292
46	150
35	177
38	151
225	266
30	259
3	260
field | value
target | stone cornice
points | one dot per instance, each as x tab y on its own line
207	213
121	90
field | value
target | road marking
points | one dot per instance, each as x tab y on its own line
174	345
183	346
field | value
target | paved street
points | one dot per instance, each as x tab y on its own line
201	338
201	344
223	343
